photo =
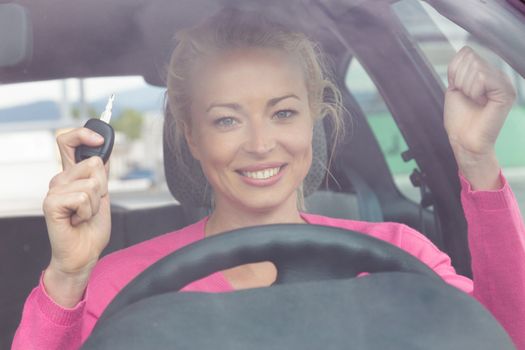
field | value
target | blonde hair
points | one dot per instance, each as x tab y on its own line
232	29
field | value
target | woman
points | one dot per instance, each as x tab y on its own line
245	95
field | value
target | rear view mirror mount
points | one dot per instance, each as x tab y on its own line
15	35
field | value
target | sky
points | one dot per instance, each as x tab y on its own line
95	88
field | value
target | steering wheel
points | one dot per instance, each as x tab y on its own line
312	261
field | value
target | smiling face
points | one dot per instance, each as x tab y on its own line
251	129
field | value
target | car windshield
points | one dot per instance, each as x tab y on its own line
32	114
392	174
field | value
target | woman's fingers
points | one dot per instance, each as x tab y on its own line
73	206
76	192
69	141
477	88
89	168
476	79
91	187
81	204
453	68
76	207
462	71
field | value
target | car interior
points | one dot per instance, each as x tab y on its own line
61	39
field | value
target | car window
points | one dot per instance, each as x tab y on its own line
33	114
383	126
439	39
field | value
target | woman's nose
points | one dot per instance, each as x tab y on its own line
260	139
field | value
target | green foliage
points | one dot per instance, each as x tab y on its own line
130	123
91	112
508	147
511	143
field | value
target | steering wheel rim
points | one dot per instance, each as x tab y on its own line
301	252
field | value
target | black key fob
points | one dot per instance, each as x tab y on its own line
103	151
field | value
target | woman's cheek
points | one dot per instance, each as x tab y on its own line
298	143
219	148
300	139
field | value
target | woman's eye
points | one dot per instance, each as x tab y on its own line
284	114
225	122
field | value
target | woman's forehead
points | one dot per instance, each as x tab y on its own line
248	71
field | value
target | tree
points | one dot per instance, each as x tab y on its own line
130	123
91	112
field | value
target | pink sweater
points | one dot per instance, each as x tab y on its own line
497	244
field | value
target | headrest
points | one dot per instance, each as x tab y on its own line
189	186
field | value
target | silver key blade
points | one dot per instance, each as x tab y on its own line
106	115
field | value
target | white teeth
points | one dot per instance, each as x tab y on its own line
261	174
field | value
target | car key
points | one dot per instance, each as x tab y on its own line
100	126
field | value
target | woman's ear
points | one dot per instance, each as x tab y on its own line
190	140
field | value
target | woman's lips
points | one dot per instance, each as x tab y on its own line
261	166
262	175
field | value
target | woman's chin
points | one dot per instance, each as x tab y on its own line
260	203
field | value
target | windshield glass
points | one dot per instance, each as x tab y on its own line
439	39
33	114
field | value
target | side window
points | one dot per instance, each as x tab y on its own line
33	114
439	39
384	127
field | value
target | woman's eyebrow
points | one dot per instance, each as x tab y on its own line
276	100
233	106
236	107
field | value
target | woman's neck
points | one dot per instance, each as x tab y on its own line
225	218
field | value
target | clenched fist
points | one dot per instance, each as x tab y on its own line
477	102
77	213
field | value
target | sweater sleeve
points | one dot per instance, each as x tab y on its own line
46	325
496	235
